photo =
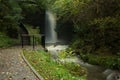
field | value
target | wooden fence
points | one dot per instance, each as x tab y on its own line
32	39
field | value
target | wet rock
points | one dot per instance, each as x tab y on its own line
107	72
113	76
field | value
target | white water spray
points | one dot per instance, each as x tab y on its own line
50	33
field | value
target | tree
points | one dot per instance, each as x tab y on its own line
10	14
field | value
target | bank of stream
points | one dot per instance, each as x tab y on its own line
94	72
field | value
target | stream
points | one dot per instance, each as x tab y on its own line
53	46
94	72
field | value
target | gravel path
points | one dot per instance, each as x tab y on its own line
13	67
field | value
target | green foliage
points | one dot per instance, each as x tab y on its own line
105	61
77	44
49	69
65	11
10	14
95	23
75	69
34	31
66	53
33	12
6	41
109	34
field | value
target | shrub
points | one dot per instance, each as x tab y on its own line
6	41
66	53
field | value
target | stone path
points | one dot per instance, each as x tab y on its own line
13	67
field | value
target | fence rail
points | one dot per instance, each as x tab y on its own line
28	39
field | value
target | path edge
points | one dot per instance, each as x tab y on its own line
31	67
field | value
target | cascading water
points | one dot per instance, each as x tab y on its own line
50	33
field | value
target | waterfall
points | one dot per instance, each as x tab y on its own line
50	33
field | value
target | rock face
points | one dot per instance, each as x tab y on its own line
113	76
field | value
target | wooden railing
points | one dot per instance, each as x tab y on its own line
32	39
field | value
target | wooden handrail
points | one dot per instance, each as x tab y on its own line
32	34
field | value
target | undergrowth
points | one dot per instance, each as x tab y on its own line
6	41
52	70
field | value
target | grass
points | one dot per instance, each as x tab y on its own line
52	70
6	41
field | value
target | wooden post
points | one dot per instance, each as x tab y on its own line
43	41
33	42
22	41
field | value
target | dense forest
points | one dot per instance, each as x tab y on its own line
94	24
91	26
